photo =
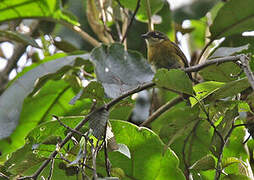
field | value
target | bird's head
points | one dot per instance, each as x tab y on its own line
154	37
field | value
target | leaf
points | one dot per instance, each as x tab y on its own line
228	22
203	90
11	100
147	158
194	10
23	9
227	51
52	99
223	128
231	89
222	72
228	161
239	40
174	79
155	5
204	164
124	150
119	70
15	36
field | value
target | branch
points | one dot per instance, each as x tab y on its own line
132	19
136	90
161	110
246	68
213	61
84	35
149	15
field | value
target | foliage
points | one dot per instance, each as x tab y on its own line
74	109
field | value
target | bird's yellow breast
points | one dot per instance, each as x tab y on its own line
164	55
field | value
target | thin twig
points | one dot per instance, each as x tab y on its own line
67	127
218	166
51	169
136	90
149	15
246	68
131	21
84	35
107	162
161	110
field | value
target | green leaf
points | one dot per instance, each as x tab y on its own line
223	128
203	90
53	98
204	164
155	5
229	160
194	10
119	70
227	51
174	79
24	9
231	89
149	158
166	19
239	40
11	100
93	90
15	36
222	72
228	22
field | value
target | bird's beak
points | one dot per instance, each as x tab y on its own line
145	36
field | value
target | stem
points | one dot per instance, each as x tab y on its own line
149	16
162	109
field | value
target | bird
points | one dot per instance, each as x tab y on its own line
163	53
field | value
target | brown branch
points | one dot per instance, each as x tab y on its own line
136	90
213	61
161	110
149	15
84	35
131	21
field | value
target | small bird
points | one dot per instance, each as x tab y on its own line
163	53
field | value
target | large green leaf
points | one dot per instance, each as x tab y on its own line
174	79
155	5
11	100
119	70
233	18
21	9
149	158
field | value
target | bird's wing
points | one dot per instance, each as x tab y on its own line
181	54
